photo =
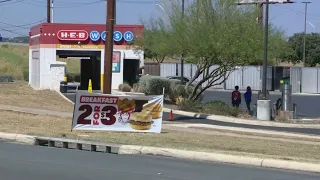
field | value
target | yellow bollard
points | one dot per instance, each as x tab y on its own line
65	79
90	86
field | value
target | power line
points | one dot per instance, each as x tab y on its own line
22	26
9	2
310	15
13	32
41	4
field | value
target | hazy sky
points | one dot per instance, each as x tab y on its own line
22	13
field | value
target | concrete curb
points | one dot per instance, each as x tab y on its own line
240	121
20	138
146	150
64	97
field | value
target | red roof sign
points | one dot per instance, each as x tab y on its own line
73	35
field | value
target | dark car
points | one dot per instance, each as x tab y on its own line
185	80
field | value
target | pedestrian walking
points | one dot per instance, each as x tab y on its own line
236	97
247	97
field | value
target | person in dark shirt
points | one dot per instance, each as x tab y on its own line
247	97
236	97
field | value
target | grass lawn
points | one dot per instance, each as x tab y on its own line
13	122
14	61
21	94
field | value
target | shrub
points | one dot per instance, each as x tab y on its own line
136	87
124	87
178	90
190	105
26	75
153	85
5	46
73	77
219	108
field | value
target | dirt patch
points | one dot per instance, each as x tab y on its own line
21	94
61	127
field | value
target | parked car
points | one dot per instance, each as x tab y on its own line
185	80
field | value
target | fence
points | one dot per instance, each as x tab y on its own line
305	79
302	79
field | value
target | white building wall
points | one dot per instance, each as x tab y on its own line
47	57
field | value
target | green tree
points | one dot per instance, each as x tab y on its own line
154	44
312	49
214	33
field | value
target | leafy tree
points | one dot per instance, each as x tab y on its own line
312	49
154	43
213	33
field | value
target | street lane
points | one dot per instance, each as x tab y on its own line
187	119
308	106
37	163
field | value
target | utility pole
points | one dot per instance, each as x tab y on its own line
108	48
115	12
48	11
182	60
52	11
305	32
265	59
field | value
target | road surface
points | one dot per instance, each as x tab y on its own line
38	163
308	106
187	119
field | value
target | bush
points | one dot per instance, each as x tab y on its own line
191	106
153	85
5	46
136	87
219	108
178	90
26	75
73	77
213	107
124	87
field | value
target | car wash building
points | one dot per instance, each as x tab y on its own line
51	40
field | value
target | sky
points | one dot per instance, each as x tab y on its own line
17	16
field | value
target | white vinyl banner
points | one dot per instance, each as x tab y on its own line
103	112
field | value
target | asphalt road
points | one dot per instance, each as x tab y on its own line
308	106
37	163
194	120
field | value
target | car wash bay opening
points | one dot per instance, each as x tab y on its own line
83	43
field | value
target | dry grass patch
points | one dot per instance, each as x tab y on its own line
20	94
60	127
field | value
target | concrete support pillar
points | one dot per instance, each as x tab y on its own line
264	110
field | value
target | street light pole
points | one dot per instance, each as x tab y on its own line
182	60
305	33
265	59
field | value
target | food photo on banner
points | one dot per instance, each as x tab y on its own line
104	112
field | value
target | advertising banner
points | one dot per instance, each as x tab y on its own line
102	112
